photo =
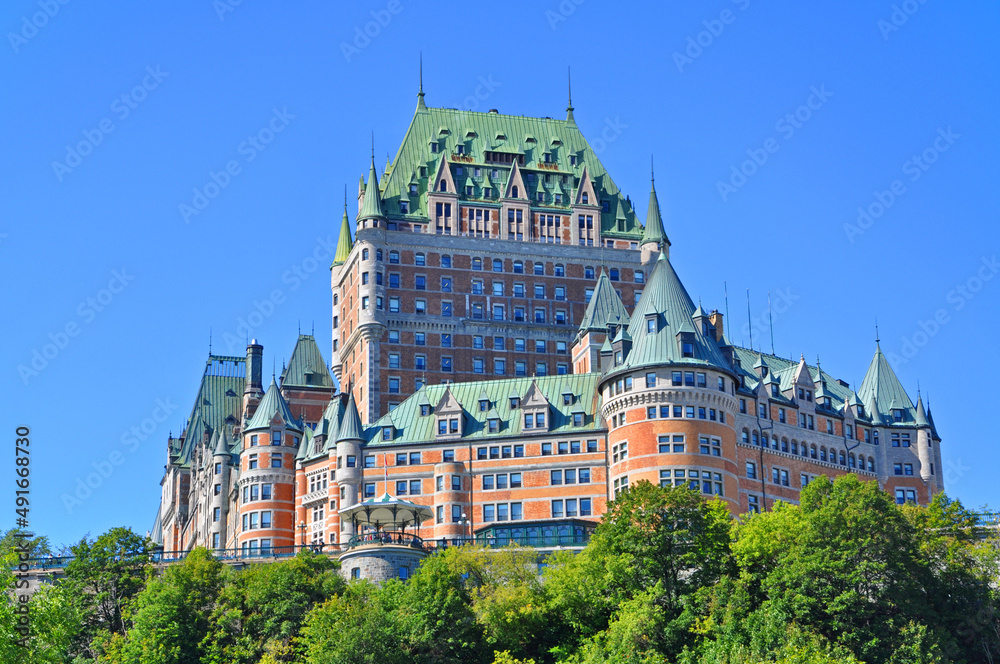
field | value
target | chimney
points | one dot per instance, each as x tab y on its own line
715	320
254	388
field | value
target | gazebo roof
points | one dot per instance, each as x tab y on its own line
387	513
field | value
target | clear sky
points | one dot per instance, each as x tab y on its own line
116	112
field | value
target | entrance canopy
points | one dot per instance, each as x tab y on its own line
387	513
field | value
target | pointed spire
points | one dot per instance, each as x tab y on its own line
569	108
372	206
921	417
346	241
271	406
350	425
420	95
654	233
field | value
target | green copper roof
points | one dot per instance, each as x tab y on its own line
605	307
372	205
219	397
668	303
272	404
880	383
346	241
654	224
479	133
921	415
412	427
350	426
307	367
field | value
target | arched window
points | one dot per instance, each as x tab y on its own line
394	257
851	461
871	464
419	259
812	452
586	198
756	438
443	185
746	437
378	254
822	454
774	442
497	265
784	444
613	274
560	270
364	254
795	447
518	267
843	459
513	191
588	272
861	461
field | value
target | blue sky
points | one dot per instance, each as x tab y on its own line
888	107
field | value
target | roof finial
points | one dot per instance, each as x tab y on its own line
210	342
652	175
877	340
345	198
373	147
421	106
569	85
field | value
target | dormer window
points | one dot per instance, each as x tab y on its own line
861	411
515	402
547	158
567	399
404	207
484	405
578	419
493	424
460	149
443	185
897	414
827	402
413	190
276	438
425	410
774	391
434	146
585	198
687	349
386	433
572	160
651	323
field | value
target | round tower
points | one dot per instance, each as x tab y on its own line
669	397
350	438
266	518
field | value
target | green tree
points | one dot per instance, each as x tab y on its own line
106	574
846	563
360	626
171	615
261	609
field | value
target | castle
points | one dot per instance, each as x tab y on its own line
514	350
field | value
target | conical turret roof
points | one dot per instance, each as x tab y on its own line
882	385
350	425
271	405
346	240
371	208
654	232
605	307
666	297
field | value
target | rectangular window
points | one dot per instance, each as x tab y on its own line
557	509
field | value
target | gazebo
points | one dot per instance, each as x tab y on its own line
386	519
382	548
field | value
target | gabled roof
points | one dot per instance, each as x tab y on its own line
881	383
605	307
223	376
346	240
306	368
411	428
665	296
371	207
653	232
271	408
414	154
